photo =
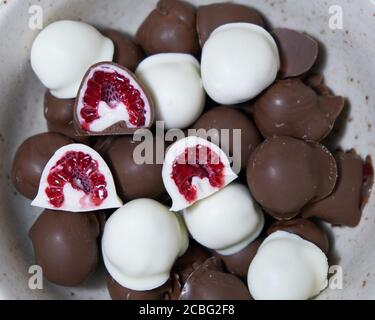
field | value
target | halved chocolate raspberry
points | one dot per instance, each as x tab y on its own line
76	179
111	101
193	169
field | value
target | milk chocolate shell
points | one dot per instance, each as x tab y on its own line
194	256
31	158
127	52
344	206
118	292
298	52
228	118
65	245
291	108
304	228
208	282
69	131
170	27
111	101
285	174
212	16
239	262
58	111
133	180
59	116
316	82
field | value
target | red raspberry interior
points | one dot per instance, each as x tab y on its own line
191	164
81	171
112	88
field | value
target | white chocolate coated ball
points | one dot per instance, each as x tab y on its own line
62	53
227	221
175	84
287	267
141	242
239	61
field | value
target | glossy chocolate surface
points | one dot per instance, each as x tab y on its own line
285	174
170	27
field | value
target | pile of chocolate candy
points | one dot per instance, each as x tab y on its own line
183	228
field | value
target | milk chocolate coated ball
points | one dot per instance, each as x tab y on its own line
291	108
65	245
170	27
285	174
134	180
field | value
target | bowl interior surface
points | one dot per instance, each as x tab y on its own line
345	59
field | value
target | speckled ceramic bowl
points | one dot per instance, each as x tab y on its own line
346	57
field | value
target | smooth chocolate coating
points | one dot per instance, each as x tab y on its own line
102	144
285	174
31	158
316	82
170	27
69	131
164	292
247	108
304	228
127	52
58	111
214	15
65	245
59	116
344	206
224	117
194	256
208	282
133	180
238	263
291	108
298	52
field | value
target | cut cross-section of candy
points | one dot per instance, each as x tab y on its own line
111	101
193	169
77	179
